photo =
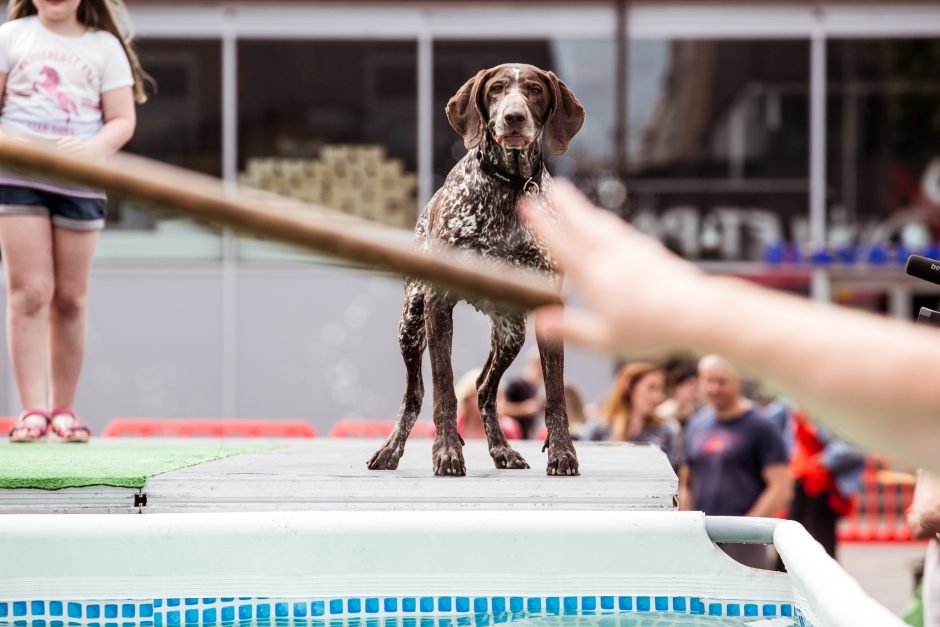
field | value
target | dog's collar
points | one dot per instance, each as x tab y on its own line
528	186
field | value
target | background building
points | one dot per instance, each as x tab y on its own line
724	128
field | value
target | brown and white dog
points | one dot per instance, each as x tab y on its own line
505	114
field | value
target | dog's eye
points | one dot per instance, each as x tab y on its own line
535	88
497	88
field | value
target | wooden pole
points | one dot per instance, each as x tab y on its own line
282	219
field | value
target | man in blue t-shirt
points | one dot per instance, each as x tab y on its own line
735	460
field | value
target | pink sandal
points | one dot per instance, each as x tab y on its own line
26	430
72	431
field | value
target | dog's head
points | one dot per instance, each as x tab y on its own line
515	103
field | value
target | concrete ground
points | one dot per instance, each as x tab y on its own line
884	570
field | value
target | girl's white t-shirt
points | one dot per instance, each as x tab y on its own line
54	83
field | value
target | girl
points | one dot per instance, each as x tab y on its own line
68	76
629	413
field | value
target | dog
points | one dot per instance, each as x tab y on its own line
505	114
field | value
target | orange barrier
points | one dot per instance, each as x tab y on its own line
360	428
208	427
887	492
5	423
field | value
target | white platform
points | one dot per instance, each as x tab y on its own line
331	474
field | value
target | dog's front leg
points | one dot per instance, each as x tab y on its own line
447	451
562	459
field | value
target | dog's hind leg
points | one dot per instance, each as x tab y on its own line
447	450
562	459
507	335
412	339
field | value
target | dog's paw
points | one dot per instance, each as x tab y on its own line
386	458
505	457
562	461
448	460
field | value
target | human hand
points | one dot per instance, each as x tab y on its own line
75	146
638	293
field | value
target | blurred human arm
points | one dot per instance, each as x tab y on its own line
868	376
924	514
778	493
685	488
120	119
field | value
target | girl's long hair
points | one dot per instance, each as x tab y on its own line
616	411
107	15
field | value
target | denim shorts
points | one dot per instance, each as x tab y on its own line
69	212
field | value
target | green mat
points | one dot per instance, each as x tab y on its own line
49	466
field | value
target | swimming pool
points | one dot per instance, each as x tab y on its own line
416	569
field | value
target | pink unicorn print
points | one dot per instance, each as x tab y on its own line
50	86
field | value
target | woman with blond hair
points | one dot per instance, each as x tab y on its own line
629	413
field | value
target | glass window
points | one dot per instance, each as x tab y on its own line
330	122
718	145
180	124
586	66
883	161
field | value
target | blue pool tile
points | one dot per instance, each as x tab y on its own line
553	604
515	604
750	609
498	604
172	602
244	612
317	608
534	604
734	609
501	617
714	609
208	615
336	606
408	604
678	604
281	610
173	618
228	613
571	604
146	610
209	600
625	604
38	623
444	604
37	608
480	605
354	606
390	604
143	623
769	610
158	602
607	603
263	611
192	617
661	604
128	611
696	606
227	599
93	611
372	605
158	620
111	610
19	608
3	610
55	608
426	604
300	609
786	610
192	601
74	610
481	620
589	603
56	623
642	604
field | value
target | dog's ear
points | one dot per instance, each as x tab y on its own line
565	118
465	113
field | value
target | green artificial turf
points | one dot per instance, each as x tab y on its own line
53	466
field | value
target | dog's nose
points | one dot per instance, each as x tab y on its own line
513	118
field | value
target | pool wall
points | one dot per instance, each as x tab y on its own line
200	568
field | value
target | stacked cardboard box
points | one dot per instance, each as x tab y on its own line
355	179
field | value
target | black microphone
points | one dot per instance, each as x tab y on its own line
923	268
929	316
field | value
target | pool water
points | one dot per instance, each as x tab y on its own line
518	619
